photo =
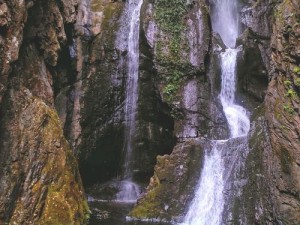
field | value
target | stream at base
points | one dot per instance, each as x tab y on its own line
114	213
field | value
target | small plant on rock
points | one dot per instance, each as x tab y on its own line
291	94
297	70
297	82
288	108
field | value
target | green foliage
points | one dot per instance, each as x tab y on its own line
297	82
287	82
172	85
170	89
291	94
288	108
169	13
297	70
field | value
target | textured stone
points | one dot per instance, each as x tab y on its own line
40	182
174	175
282	113
39	178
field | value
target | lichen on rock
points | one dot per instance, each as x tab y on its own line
41	182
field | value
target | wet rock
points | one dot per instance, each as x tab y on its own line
96	119
104	74
174	175
258	16
252	203
274	139
181	60
251	70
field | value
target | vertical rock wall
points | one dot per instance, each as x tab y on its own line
282	112
270	196
40	181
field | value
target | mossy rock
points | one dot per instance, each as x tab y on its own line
172	186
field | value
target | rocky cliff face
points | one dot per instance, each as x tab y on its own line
274	147
40	181
282	112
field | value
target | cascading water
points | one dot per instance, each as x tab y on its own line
225	20
208	204
129	191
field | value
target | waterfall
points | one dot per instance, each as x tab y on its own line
236	115
225	21
208	203
130	37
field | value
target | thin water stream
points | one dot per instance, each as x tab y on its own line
119	195
123	190
129	190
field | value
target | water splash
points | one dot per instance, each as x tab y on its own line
129	191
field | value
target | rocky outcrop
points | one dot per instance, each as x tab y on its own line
182	50
40	181
251	69
12	19
252	203
62	61
168	73
174	175
100	92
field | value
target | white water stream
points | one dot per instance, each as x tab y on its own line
129	191
208	203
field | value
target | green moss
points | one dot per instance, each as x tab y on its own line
297	82
150	205
62	206
288	108
296	70
278	109
291	94
169	15
172	85
65	202
287	83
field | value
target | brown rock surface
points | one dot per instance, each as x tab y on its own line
39	177
282	112
175	178
40	182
